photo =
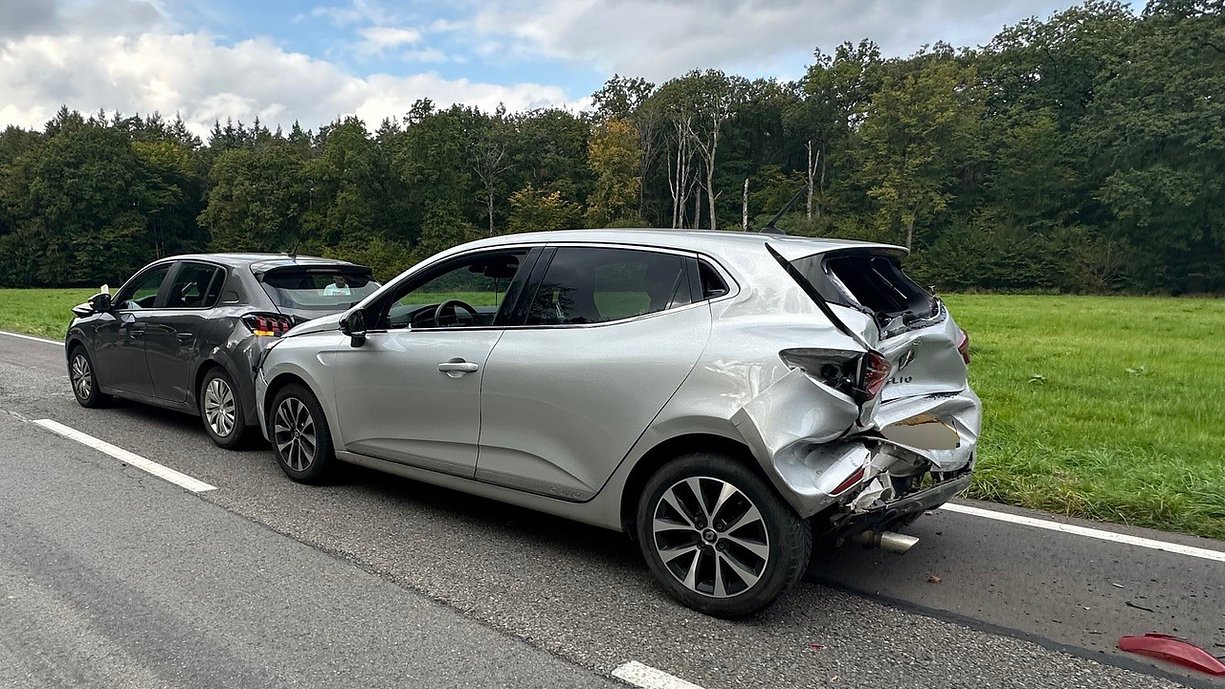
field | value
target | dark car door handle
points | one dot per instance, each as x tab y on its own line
186	337
136	332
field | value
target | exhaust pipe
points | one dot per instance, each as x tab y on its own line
890	541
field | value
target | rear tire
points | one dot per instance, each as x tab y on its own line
300	435
718	537
221	409
85	380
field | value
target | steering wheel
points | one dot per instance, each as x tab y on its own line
452	304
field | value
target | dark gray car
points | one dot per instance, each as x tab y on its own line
185	332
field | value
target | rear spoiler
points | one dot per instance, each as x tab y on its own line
262	271
817	299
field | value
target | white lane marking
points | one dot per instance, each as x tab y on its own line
32	338
647	677
164	472
1111	536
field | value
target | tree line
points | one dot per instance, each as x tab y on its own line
1081	153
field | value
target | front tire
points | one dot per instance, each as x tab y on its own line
718	538
85	380
300	435
221	409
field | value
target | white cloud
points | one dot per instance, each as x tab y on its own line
427	55
195	75
356	12
376	39
663	38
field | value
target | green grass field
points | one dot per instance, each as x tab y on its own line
42	312
1109	408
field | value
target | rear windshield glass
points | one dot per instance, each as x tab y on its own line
875	281
318	289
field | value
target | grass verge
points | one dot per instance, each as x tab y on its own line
1107	408
41	312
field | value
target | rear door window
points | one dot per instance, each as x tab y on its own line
597	285
195	286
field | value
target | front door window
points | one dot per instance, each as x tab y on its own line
142	294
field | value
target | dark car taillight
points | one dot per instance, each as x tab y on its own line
963	347
267	325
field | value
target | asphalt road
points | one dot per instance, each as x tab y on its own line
1014	606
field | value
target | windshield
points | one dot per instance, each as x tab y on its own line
323	289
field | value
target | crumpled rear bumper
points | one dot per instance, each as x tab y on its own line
818	451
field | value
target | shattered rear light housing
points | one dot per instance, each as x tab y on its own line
875	373
963	346
849	482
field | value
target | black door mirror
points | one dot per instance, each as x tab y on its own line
354	325
100	303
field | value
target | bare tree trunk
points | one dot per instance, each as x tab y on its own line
710	178
697	209
744	207
674	181
822	187
811	170
490	206
910	229
681	183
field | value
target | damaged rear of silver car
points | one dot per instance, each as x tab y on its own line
867	419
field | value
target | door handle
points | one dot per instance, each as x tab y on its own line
136	332
186	337
457	367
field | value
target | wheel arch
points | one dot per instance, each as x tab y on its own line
279	382
666	450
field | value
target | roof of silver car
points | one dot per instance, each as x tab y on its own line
692	240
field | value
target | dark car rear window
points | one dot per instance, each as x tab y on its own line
318	288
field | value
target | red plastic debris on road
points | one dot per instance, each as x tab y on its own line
1174	650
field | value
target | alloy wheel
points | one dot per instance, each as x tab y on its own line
711	537
293	431
219	407
82	377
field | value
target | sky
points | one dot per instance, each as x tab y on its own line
314	61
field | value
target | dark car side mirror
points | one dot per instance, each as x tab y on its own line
101	302
353	324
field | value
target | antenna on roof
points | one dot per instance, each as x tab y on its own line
293	253
770	227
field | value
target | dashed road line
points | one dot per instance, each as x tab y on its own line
1088	532
647	677
163	472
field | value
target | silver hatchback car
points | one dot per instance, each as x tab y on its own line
728	399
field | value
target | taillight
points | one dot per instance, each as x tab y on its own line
267	325
849	482
963	346
874	374
833	367
858	375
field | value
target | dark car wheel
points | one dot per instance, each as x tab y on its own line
221	409
300	435
85	380
718	537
